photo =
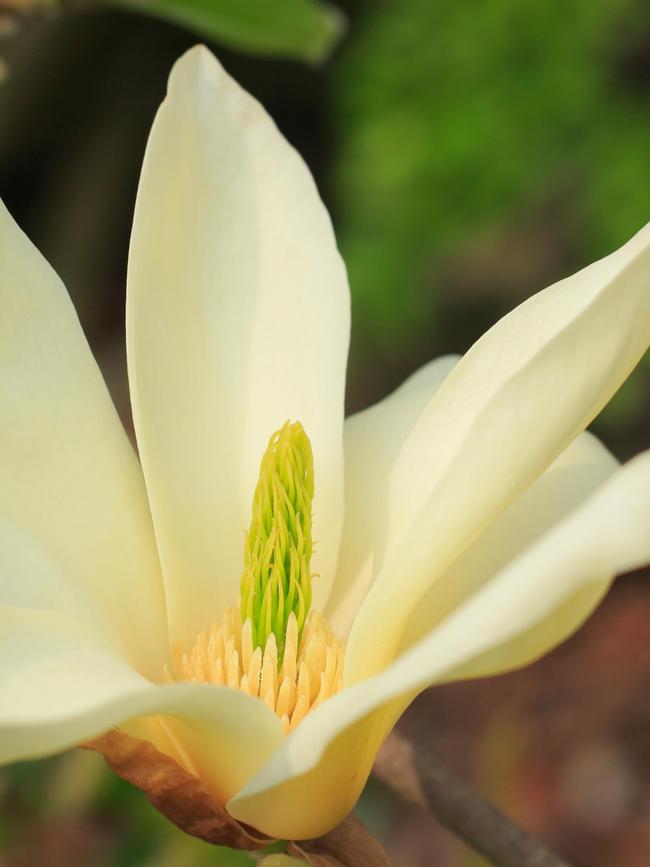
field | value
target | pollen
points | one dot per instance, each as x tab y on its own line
310	671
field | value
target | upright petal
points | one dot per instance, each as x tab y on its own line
372	441
61	684
531	605
521	394
237	320
71	490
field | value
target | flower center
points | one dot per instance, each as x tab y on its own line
271	645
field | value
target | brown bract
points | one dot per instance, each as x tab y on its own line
182	798
173	791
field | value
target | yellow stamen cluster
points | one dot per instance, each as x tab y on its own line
310	671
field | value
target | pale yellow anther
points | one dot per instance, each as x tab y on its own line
230	647
255	666
300	711
290	651
284	698
234	676
302	686
246	645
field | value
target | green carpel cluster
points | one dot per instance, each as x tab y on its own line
278	548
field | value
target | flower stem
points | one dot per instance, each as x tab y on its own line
479	823
423	779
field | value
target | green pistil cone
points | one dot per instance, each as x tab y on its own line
278	548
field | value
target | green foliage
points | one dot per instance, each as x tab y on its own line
457	118
305	29
116	825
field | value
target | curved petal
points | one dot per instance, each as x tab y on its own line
372	440
237	320
519	396
534	603
303	797
71	489
580	470
60	685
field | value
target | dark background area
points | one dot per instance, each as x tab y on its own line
470	154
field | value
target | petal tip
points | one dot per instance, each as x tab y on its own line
198	65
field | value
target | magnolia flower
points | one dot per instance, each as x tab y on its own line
266	589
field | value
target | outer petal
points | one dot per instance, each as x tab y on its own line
71	490
237	320
519	396
571	478
60	685
372	441
318	773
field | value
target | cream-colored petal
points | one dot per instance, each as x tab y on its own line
60	685
522	612
579	470
521	394
549	588
237	320
372	440
71	489
55	671
30	579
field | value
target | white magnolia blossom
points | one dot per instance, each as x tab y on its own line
463	526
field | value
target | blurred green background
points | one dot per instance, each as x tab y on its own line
470	154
